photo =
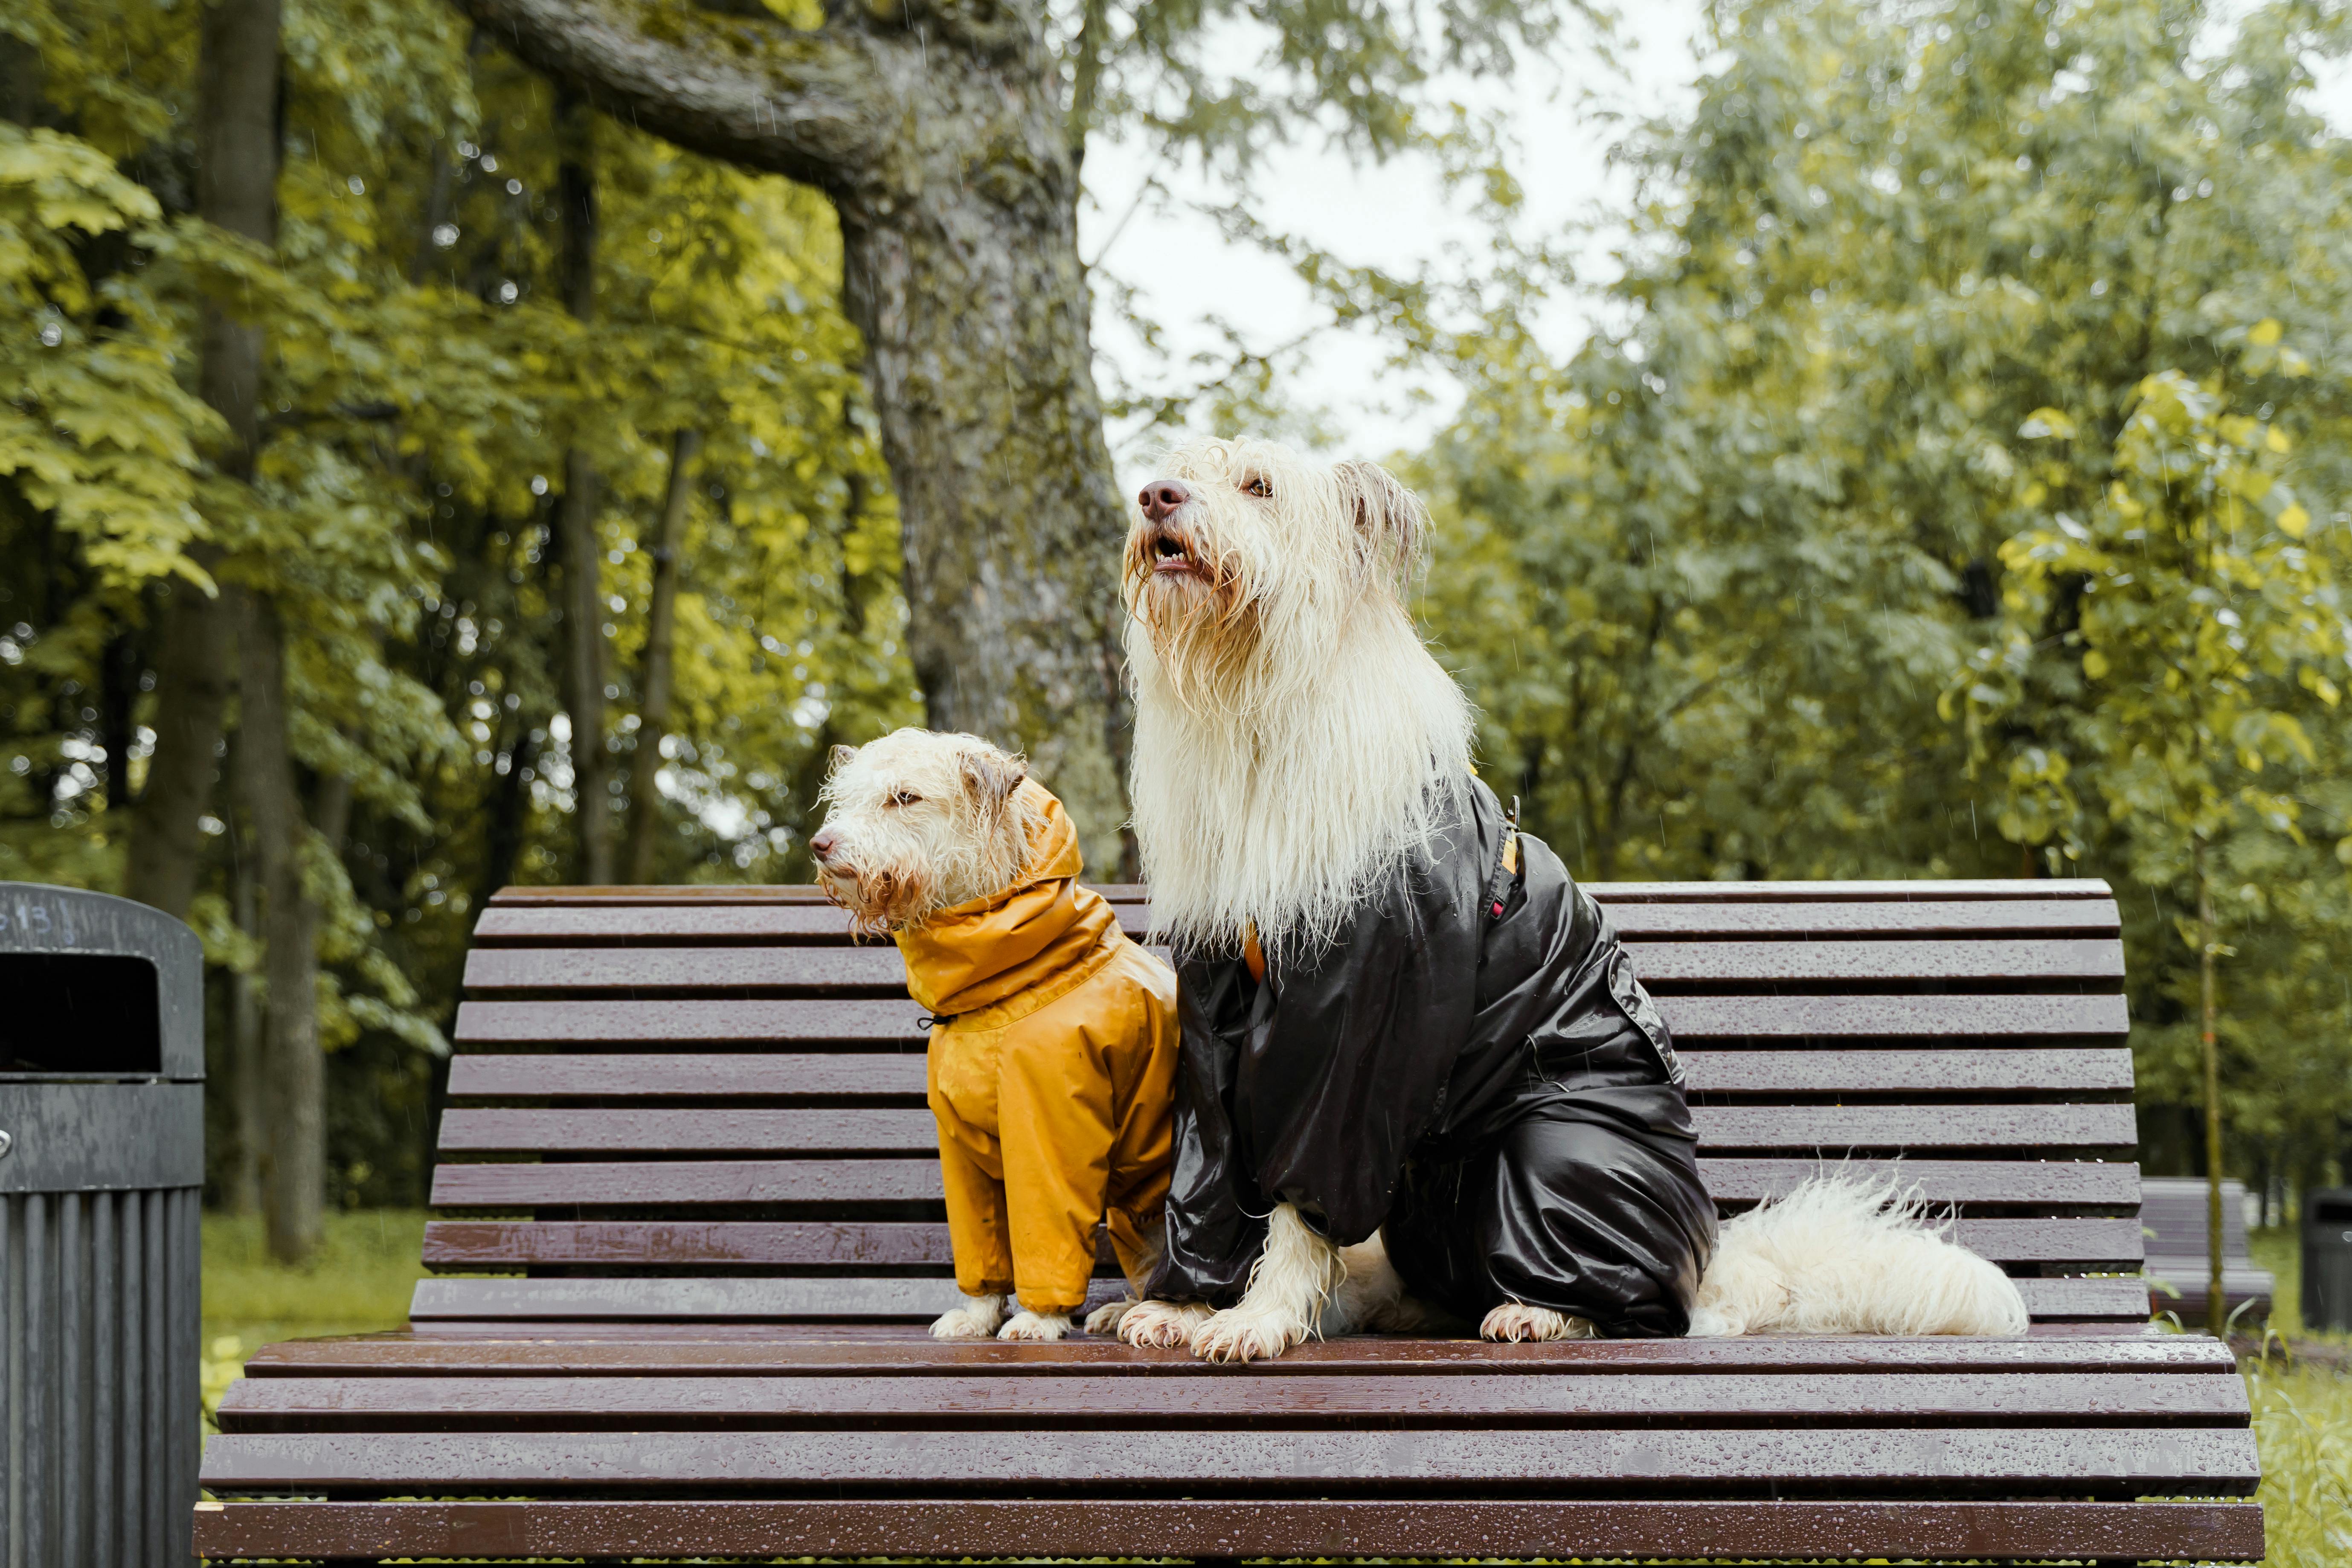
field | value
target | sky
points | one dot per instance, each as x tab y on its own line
1395	216
1560	112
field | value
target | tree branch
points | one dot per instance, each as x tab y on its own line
813	106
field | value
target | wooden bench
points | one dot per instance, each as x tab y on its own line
694	1232
2174	1215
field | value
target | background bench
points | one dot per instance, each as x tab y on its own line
2174	1215
687	1135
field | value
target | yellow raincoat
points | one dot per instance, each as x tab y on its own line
1052	1076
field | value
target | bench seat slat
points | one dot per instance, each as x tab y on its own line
2041	1184
835	1076
1833	1128
835	1351
766	1021
2114	1461
845	1244
1304	1402
916	1299
1157	1528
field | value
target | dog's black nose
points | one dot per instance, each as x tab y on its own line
821	846
1161	497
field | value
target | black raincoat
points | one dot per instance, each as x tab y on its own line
1471	1065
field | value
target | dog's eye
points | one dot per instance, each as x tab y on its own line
905	797
1258	486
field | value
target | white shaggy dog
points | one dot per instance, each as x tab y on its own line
1296	744
1051	1059
917	823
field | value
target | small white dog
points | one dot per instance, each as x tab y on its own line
1054	1042
1298	753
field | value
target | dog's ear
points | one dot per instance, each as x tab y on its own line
989	777
838	758
1389	519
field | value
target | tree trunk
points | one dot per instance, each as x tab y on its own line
247	1074
939	135
978	355
117	695
237	188
575	517
192	690
654	679
2216	1304
294	1161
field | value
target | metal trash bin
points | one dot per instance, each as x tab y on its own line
2327	1260
101	1109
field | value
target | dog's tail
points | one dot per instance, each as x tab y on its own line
1843	1254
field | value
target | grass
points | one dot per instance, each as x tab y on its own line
358	1284
2303	1423
361	1281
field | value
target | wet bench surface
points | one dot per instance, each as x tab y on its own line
692	1234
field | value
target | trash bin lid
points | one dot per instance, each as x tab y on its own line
96	986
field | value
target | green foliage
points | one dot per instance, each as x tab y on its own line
1910	287
97	430
422	386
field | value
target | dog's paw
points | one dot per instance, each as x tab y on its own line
975	1320
1515	1321
1706	1323
1105	1319
1161	1325
1036	1326
1240	1334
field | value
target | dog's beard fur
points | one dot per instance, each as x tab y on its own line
963	833
1295	743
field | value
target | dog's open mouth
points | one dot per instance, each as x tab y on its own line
1169	556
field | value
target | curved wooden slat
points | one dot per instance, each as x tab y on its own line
873	1074
1922	890
907	1244
815	971
2112	1461
851	1298
2005	1183
835	1352
1986	1070
840	1130
1934	1530
1218	1403
845	1298
679	1075
822	971
698	895
1828	963
1824	921
621	1182
1952	1019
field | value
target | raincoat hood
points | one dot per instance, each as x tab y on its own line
1015	942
